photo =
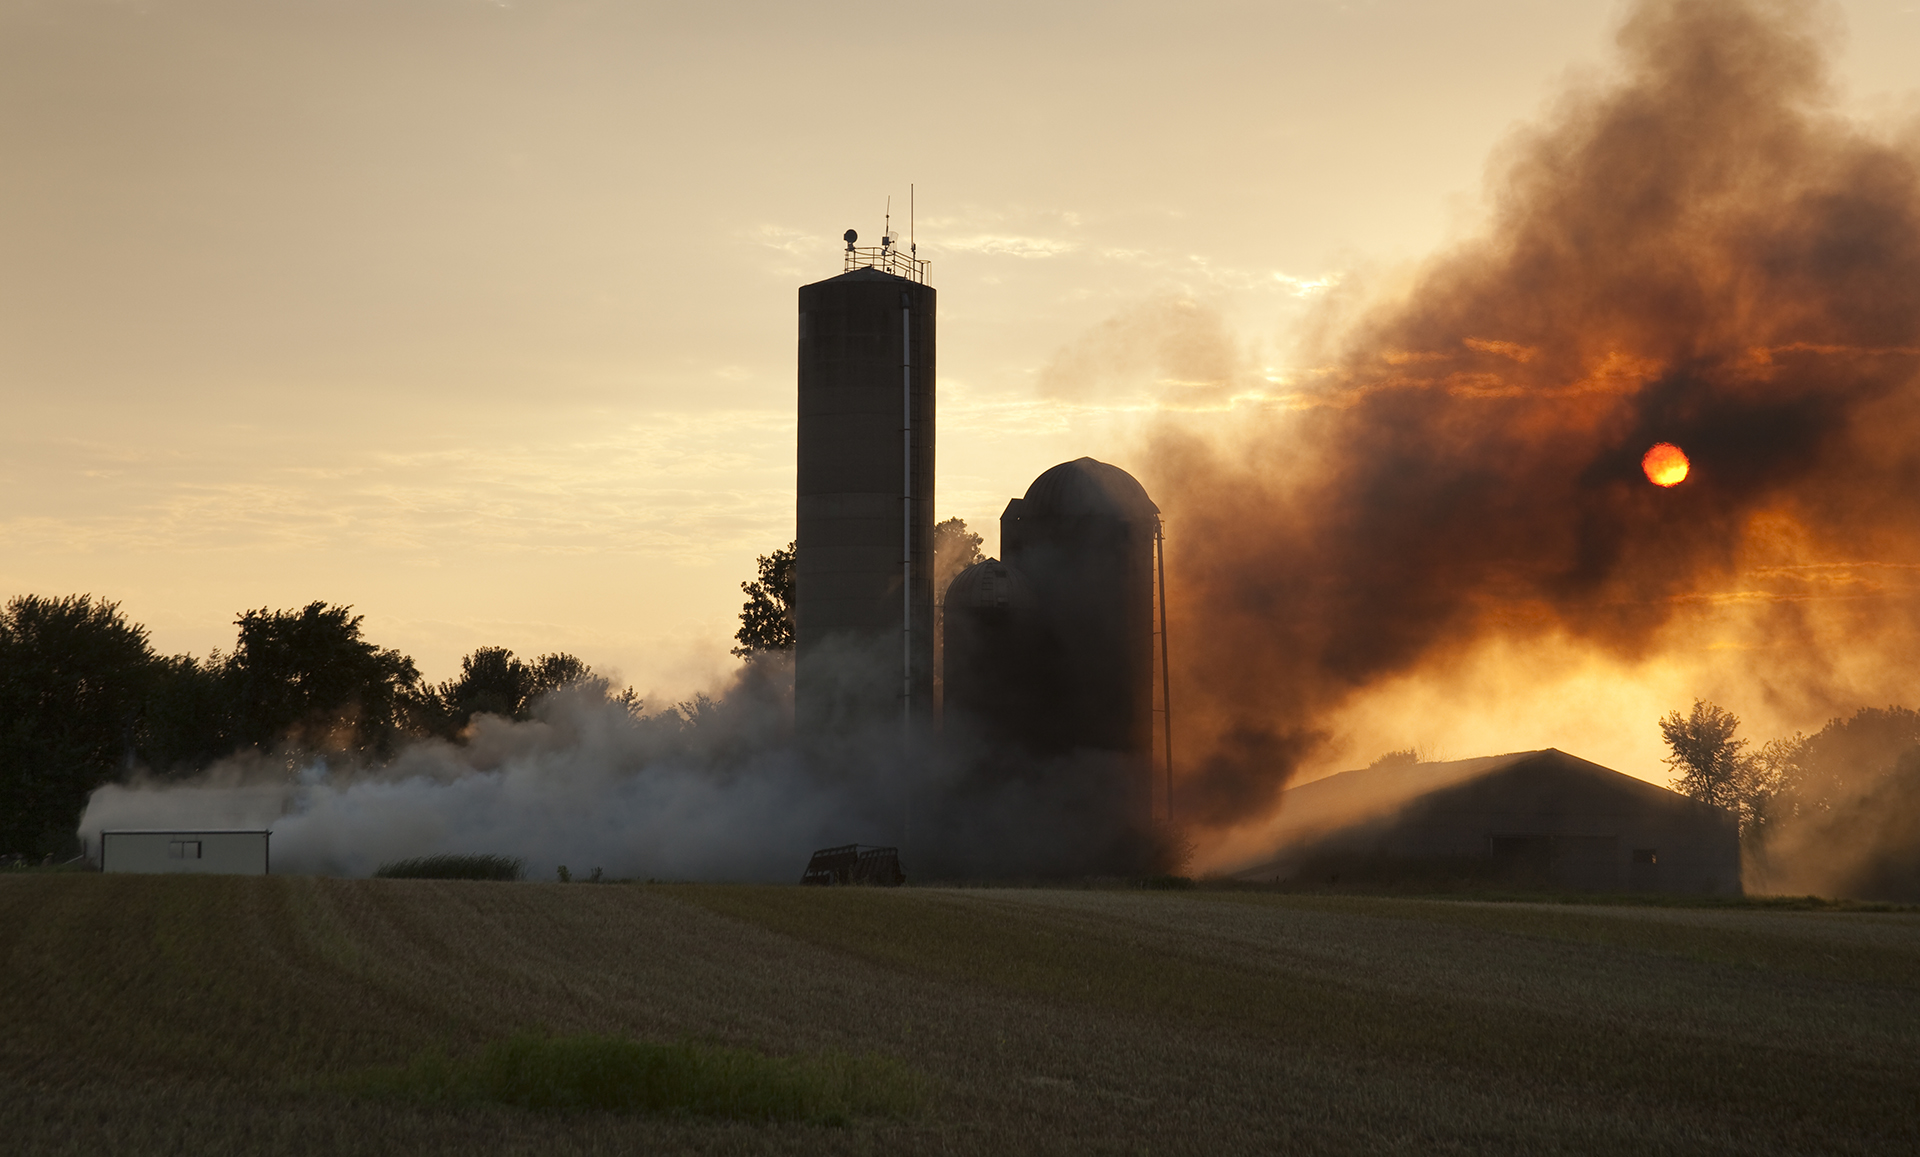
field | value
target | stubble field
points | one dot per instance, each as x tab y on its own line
229	1015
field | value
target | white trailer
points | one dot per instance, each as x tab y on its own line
217	852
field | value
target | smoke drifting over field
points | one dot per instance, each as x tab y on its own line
711	790
1702	252
710	793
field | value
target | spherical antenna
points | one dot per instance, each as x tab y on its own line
851	238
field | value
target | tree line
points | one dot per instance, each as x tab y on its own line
1855	782
1792	777
84	699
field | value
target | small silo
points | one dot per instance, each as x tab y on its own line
863	573
994	658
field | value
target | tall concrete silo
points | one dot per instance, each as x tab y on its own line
863	575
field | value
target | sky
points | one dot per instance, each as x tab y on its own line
480	317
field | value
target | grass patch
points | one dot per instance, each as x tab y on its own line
451	866
621	1075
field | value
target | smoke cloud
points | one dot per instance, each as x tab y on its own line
711	791
1702	251
716	789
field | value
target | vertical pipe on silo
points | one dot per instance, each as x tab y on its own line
906	518
906	566
1166	673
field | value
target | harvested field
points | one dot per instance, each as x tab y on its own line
211	1015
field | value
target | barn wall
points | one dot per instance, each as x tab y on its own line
218	853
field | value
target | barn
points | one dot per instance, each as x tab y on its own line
212	852
1530	819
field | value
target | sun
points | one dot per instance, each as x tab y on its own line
1666	464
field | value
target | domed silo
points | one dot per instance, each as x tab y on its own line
992	661
863	565
1084	538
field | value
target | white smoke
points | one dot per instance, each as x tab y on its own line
716	792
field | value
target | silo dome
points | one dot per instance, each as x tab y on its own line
1087	486
988	586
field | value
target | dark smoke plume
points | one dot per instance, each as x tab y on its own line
1703	252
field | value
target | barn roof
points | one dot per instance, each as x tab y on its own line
1353	798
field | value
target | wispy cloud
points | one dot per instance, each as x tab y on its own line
1005	245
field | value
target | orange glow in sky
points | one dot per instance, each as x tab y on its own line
1666	464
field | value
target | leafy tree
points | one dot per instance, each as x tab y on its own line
1846	757
1879	825
74	677
766	619
1716	768
493	681
1852	792
188	721
1706	757
308	676
955	548
1760	787
552	672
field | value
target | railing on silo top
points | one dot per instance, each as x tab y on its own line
887	259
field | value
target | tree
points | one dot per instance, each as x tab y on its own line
1848	756
1851	793
552	672
307	676
188	720
955	548
1761	785
1712	765
74	679
493	681
766	619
